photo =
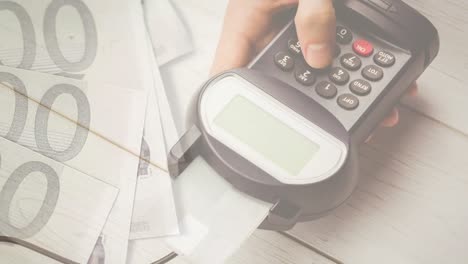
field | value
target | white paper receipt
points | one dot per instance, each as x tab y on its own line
217	218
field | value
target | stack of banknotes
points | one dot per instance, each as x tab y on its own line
85	127
82	150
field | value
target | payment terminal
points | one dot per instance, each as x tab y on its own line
285	133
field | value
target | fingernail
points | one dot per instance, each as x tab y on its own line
318	55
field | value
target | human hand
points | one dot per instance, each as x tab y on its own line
249	25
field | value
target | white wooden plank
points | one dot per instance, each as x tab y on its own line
412	203
443	90
451	20
267	247
443	98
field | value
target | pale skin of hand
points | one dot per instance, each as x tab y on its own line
249	25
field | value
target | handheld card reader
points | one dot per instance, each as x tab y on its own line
288	134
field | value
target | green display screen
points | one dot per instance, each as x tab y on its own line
266	134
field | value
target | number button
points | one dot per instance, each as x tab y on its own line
284	61
305	76
363	48
384	59
351	62
360	87
339	76
326	90
372	73
343	35
294	46
348	101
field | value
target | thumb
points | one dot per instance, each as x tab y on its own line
316	29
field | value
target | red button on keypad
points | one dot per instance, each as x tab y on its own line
363	48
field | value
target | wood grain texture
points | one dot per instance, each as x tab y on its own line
267	247
443	89
411	205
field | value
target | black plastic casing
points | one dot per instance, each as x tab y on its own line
390	20
292	203
402	26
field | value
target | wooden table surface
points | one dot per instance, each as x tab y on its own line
411	205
